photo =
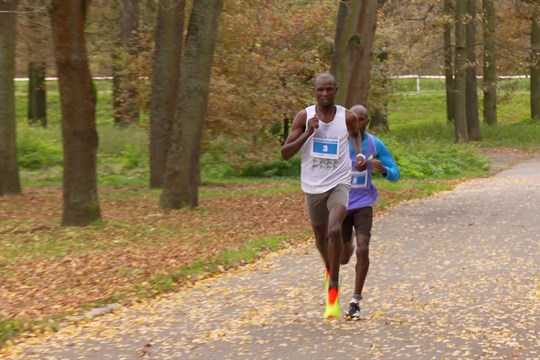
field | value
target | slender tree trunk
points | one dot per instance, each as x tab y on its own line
37	93
460	114
361	52
149	16
181	181
449	61
78	103
9	169
165	82
37	40
345	33
490	64
379	120
342	26
286	129
535	66
473	120
126	110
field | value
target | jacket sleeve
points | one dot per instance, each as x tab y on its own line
383	154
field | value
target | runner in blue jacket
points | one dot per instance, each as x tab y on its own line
363	194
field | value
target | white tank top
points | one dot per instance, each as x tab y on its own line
325	155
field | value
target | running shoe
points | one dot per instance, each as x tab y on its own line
354	312
333	310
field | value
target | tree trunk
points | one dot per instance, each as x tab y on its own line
490	64
535	66
448	61
360	51
379	120
149	14
37	93
460	119
473	120
78	103
181	181
37	42
9	169
343	26
286	129
126	110
353	47
165	81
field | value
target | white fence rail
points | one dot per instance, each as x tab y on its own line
55	78
418	77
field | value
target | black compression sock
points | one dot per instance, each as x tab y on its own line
333	283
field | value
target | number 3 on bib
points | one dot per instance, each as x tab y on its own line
325	148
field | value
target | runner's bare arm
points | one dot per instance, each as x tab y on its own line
298	136
354	132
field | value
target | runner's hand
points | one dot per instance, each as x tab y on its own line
377	165
313	124
361	163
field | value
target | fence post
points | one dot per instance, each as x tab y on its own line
418	84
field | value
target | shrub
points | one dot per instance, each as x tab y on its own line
276	168
133	157
35	152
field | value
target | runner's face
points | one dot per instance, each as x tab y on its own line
362	121
325	92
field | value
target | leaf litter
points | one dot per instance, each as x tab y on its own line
53	270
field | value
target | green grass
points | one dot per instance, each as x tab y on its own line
54	114
107	235
423	118
122	156
282	188
122	153
232	257
523	135
437	85
9	328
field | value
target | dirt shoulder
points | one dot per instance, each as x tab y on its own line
504	158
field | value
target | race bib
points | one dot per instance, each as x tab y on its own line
359	179
325	148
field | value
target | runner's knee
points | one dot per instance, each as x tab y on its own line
334	231
362	250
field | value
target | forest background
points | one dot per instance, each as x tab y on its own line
267	55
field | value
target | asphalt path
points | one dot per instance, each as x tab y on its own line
454	276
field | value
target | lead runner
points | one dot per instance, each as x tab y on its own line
321	133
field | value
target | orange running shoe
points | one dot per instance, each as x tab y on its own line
333	310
